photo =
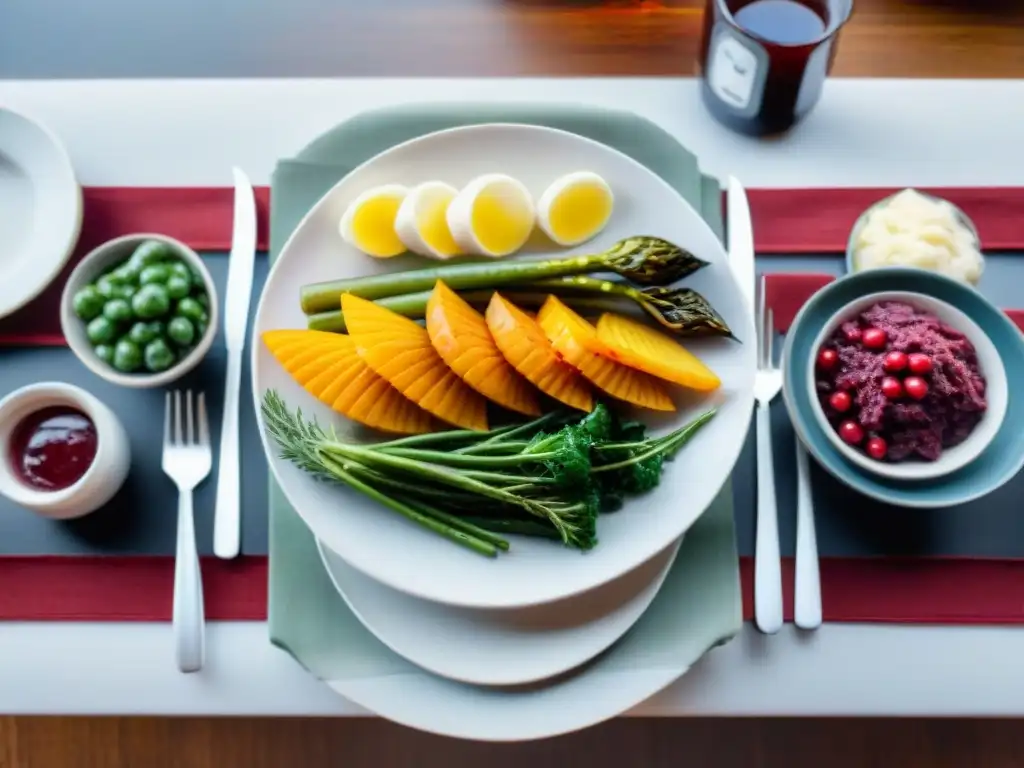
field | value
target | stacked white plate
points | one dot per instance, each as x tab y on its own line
540	610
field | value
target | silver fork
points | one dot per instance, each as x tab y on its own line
767	563
187	461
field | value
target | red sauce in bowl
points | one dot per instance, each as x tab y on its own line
53	448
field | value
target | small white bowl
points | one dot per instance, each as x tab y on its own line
97	262
851	256
989	361
100	482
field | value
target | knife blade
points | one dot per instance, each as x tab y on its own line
227	517
741	239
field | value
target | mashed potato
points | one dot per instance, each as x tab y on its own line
915	230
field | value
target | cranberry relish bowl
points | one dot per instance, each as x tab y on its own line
896	377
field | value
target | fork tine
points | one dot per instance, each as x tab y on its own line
769	340
759	320
177	417
167	418
204	423
190	427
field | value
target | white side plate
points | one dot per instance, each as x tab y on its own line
500	647
40	209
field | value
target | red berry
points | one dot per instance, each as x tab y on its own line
919	363
827	359
852	334
895	361
892	388
841	401
876	448
874	338
916	387
851	432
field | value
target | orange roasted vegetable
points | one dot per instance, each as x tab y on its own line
459	334
328	367
527	349
399	349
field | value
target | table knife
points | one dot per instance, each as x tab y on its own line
227	519
767	558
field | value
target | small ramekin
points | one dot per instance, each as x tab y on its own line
100	482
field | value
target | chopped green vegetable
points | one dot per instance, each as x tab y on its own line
192	309
181	331
151	302
152	252
517	479
644	260
104	352
87	303
105	286
154	273
158	356
100	330
127	356
117	310
142	333
178	287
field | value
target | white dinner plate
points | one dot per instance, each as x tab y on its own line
40	209
399	553
499	646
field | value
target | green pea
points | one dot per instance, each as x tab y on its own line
151	301
152	252
126	274
180	269
159	356
203	299
87	303
197	278
192	309
101	330
142	333
127	356
181	331
157	328
200	330
178	287
117	310
105	287
125	291
154	273
104	352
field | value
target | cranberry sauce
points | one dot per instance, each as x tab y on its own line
53	448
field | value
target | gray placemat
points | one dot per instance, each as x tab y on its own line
306	616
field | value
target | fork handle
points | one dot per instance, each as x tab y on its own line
807	587
767	564
189	641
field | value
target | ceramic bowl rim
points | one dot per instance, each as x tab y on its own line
87	269
963	454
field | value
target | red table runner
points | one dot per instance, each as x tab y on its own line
904	590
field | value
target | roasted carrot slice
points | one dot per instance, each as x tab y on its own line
399	350
647	349
328	366
569	334
527	349
459	334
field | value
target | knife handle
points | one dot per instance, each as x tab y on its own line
227	518
767	562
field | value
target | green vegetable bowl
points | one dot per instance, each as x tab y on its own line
140	310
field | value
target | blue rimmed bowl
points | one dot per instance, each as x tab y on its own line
994	466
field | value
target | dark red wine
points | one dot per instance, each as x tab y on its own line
53	448
765	61
782	21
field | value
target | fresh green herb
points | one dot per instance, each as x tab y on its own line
644	260
550	477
